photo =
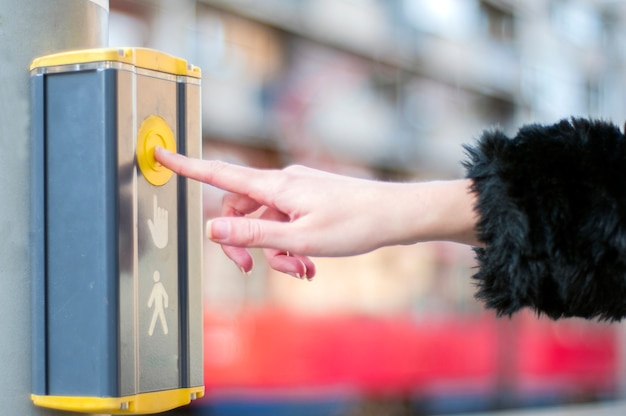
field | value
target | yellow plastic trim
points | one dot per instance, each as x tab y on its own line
138	404
139	57
153	132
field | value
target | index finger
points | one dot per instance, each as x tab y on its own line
226	176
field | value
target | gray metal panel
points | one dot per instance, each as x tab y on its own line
81	234
158	305
38	236
194	292
127	231
183	273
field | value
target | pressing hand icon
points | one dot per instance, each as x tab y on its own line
158	227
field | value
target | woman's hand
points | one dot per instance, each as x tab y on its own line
301	212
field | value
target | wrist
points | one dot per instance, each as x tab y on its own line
434	211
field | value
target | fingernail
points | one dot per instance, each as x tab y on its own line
159	149
309	279
296	275
217	229
245	273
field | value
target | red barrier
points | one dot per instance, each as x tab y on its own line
270	349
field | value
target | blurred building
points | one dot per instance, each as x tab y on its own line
389	90
385	89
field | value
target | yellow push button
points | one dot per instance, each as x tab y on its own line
154	132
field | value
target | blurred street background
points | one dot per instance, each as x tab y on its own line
387	89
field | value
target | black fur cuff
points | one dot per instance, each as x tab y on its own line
552	217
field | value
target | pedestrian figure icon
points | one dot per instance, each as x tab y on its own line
158	299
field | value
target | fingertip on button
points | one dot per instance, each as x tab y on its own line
154	132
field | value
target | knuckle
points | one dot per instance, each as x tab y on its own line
285	178
253	234
295	169
228	203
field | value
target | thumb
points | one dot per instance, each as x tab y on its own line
248	232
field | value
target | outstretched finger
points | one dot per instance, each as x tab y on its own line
226	176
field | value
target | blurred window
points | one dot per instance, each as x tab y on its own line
499	23
453	19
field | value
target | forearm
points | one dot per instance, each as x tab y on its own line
452	213
432	211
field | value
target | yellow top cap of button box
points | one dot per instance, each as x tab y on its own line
139	57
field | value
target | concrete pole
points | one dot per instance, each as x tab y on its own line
27	29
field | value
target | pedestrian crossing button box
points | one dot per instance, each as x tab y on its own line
117	246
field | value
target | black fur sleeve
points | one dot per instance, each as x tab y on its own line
552	218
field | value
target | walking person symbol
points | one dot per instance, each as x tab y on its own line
158	298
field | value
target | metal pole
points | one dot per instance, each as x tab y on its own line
27	29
